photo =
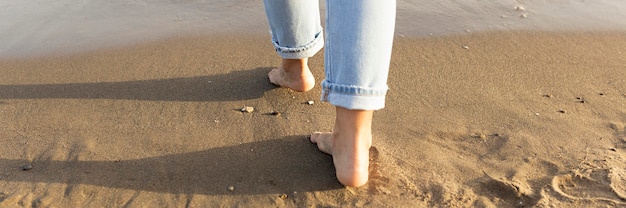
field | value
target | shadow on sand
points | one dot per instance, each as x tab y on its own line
236	85
281	165
269	167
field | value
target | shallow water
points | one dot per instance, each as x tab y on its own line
453	17
34	28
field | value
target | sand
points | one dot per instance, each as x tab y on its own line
501	123
504	118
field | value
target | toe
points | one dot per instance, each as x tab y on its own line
274	76
315	136
323	141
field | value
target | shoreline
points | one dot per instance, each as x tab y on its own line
51	27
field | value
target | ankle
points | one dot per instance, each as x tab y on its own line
354	124
290	65
356	141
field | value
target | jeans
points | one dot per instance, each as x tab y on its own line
359	38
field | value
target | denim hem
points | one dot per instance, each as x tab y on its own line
305	51
353	97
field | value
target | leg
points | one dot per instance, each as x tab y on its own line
357	55
358	51
296	35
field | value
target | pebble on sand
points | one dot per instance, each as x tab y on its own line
247	109
27	167
310	102
231	188
479	135
283	196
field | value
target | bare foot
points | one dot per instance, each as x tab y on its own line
293	74
349	145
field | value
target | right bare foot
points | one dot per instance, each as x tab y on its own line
349	145
293	74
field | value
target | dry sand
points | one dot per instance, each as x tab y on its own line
501	116
499	123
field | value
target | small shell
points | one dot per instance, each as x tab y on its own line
310	102
231	188
465	47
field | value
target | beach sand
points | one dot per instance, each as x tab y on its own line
513	119
503	118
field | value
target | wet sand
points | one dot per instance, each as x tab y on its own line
67	27
505	118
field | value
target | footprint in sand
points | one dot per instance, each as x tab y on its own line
377	181
519	188
620	133
512	192
598	185
606	183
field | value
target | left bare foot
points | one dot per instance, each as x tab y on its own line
293	74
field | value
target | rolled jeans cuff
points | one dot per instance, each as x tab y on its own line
354	97
305	51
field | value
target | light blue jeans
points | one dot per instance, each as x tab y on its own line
359	38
